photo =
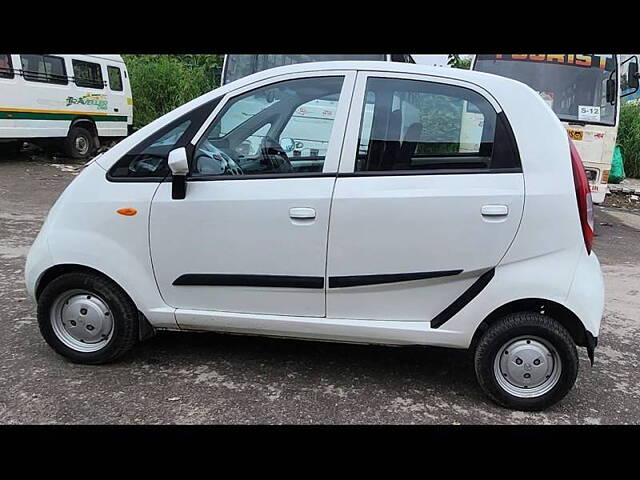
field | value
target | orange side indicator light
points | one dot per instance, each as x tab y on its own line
127	211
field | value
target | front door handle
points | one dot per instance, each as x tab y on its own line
302	213
495	210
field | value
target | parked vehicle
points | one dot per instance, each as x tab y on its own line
410	226
64	102
584	91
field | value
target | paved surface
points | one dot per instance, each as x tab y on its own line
209	378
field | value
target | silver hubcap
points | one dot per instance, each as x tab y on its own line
82	321
527	367
82	145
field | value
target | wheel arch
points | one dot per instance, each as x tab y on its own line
558	312
89	124
145	329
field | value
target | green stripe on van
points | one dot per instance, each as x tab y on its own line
59	116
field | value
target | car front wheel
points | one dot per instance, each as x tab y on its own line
526	361
87	318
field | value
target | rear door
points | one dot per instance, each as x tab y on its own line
428	198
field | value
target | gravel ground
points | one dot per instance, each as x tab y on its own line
193	378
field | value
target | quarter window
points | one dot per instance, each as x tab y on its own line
87	74
418	125
283	128
6	67
115	78
44	68
147	161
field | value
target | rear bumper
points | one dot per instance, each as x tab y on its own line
586	295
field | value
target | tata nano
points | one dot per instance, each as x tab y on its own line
426	212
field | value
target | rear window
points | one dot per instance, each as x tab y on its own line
44	68
418	125
87	74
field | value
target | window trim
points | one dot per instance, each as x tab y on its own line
350	146
93	85
11	73
64	80
119	75
197	115
338	131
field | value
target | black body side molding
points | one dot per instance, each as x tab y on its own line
462	301
360	280
227	280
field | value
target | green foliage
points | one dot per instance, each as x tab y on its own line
456	61
629	138
161	83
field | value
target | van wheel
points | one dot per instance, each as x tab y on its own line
79	143
526	361
87	318
10	148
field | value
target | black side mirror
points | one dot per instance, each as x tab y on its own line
611	91
633	77
179	166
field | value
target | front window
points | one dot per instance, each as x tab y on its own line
283	128
573	85
239	66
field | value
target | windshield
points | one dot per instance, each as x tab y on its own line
238	66
574	86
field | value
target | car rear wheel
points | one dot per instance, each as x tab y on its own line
526	361
87	318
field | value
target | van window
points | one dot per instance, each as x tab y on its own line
282	128
115	78
6	67
44	68
87	74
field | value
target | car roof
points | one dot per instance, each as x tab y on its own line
478	78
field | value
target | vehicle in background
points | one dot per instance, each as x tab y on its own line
584	92
63	102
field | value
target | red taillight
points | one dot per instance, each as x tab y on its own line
583	195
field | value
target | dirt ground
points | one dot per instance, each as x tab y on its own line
190	378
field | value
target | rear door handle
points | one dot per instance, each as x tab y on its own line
495	210
302	213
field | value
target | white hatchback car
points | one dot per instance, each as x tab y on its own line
367	202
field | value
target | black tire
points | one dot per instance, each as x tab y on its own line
80	143
10	148
525	324
123	312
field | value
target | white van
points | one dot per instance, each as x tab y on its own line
63	102
410	226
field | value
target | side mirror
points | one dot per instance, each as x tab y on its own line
633	76
179	166
611	91
287	144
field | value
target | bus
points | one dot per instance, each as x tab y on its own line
584	91
70	103
239	66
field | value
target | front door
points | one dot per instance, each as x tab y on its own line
251	234
428	198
